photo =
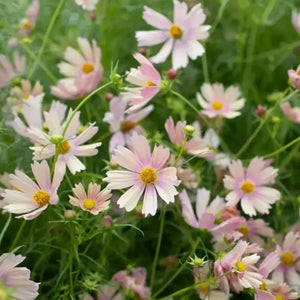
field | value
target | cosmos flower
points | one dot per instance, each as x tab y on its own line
28	198
294	76
147	83
248	185
8	71
216	101
87	4
94	201
296	20
179	37
16	280
31	15
122	124
293	114
146	175
83	71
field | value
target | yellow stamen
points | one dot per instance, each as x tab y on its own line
148	175
64	147
288	258
240	266
127	125
175	31
244	230
263	286
247	187
87	68
89	203
204	288
149	83
26	25
41	197
26	96
278	297
217	105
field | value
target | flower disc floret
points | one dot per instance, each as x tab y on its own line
87	68
128	125
278	297
64	147
240	266
244	230
175	31
217	105
150	83
148	175
288	258
89	203
247	187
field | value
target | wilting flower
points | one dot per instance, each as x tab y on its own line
83	71
16	280
122	124
206	214
248	185
296	20
219	102
146	174
147	81
28	198
292	113
9	71
136	282
31	15
94	201
179	37
289	267
87	4
294	77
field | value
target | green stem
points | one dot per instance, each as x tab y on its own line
282	148
16	239
219	16
186	101
180	151
5	228
161	229
179	270
55	160
46	37
205	68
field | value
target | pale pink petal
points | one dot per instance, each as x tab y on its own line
131	197
187	210
150	201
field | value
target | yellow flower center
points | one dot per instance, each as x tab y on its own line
41	197
247	187
87	68
240	266
26	25
26	96
263	286
288	258
148	175
217	105
64	147
244	230
149	83
278	297
89	203
127	125
175	31
203	288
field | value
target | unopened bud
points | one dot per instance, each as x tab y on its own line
143	51
70	214
197	261
189	129
93	16
276	119
172	74
56	139
107	221
25	41
229	238
109	96
260	110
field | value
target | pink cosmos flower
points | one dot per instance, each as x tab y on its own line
30	199
32	13
294	77
146	174
93	201
219	102
292	113
206	214
83	71
87	4
123	124
186	175
72	145
179	37
282	291
195	146
9	71
135	281
289	266
248	185
147	81
296	20
16	279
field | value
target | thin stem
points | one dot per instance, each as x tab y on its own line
180	151
5	228
205	68
219	16
16	239
161	229
46	37
186	101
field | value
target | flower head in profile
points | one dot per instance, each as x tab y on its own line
87	4
248	185
147	83
146	175
16	280
216	101
123	124
296	20
293	114
179	37
31	15
83	71
94	201
29	199
8	70
294	76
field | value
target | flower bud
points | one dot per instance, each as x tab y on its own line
229	238
70	214
143	51
260	110
109	96
93	15
56	139
107	221
189	130
172	74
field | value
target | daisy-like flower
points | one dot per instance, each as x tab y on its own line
28	198
248	185
293	114
83	71
148	82
289	267
8	71
206	214
87	4
179	37
16	280
216	101
122	124
146	174
31	15
94	201
296	20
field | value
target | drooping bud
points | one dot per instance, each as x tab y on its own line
109	96
172	74
260	110
143	51
70	214
107	221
